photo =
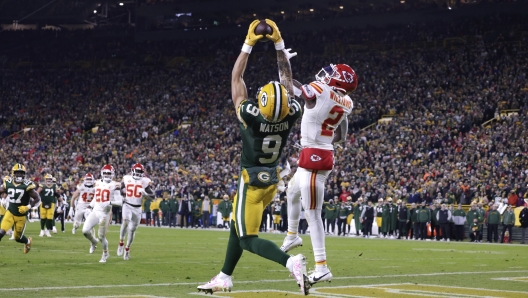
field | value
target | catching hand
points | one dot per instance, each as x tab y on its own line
275	36
251	37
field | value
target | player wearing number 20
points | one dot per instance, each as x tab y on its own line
107	193
21	196
323	124
134	187
81	200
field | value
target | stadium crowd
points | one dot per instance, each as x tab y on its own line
178	121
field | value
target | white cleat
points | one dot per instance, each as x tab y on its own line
120	249
12	237
297	268
42	233
318	275
74	230
54	230
288	245
217	284
47	233
104	257
126	256
93	246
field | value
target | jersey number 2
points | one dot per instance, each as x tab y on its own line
11	195
102	195
335	115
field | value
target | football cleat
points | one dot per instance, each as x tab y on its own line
288	245
320	274
27	246
217	284
12	237
297	268
54	230
74	230
120	249
104	257
47	233
126	256
93	246
42	233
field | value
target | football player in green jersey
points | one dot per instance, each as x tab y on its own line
264	128
22	196
49	193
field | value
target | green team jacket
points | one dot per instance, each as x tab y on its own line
358	208
424	215
508	218
494	217
330	212
173	205
225	207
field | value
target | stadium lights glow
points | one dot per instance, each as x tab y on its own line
340	7
449	7
95	11
402	1
254	14
282	12
311	9
121	4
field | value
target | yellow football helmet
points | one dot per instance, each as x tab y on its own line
274	101
18	172
48	179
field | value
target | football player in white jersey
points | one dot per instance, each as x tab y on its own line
323	124
107	193
133	187
80	202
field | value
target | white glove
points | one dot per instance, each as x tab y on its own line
71	214
288	54
285	171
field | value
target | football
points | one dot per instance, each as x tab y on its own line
262	29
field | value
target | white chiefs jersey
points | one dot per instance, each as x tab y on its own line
86	195
134	189
104	193
319	123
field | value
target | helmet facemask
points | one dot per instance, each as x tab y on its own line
106	176
137	173
19	176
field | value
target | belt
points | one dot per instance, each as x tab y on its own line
137	206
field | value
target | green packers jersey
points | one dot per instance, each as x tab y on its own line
277	209
263	141
17	194
48	194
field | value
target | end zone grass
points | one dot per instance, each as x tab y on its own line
172	262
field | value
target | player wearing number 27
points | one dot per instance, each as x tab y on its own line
81	200
21	196
323	124
264	128
107	193
134	187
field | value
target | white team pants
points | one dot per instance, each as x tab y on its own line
97	217
133	215
80	212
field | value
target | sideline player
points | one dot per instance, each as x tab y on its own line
80	202
264	127
134	187
22	196
106	194
324	123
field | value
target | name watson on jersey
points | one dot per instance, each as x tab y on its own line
274	127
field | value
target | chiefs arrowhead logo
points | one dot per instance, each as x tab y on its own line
348	77
315	158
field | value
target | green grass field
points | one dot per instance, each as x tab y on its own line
172	262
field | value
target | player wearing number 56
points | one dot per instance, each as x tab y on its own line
324	123
107	192
264	127
21	196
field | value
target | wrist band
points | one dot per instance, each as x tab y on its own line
247	48
280	45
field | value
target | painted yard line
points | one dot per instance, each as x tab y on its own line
223	294
257	281
521	279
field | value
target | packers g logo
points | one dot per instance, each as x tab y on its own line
264	177
263	99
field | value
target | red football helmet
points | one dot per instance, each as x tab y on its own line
340	76
88	179
137	171
107	173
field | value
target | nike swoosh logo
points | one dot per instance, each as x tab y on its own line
317	279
